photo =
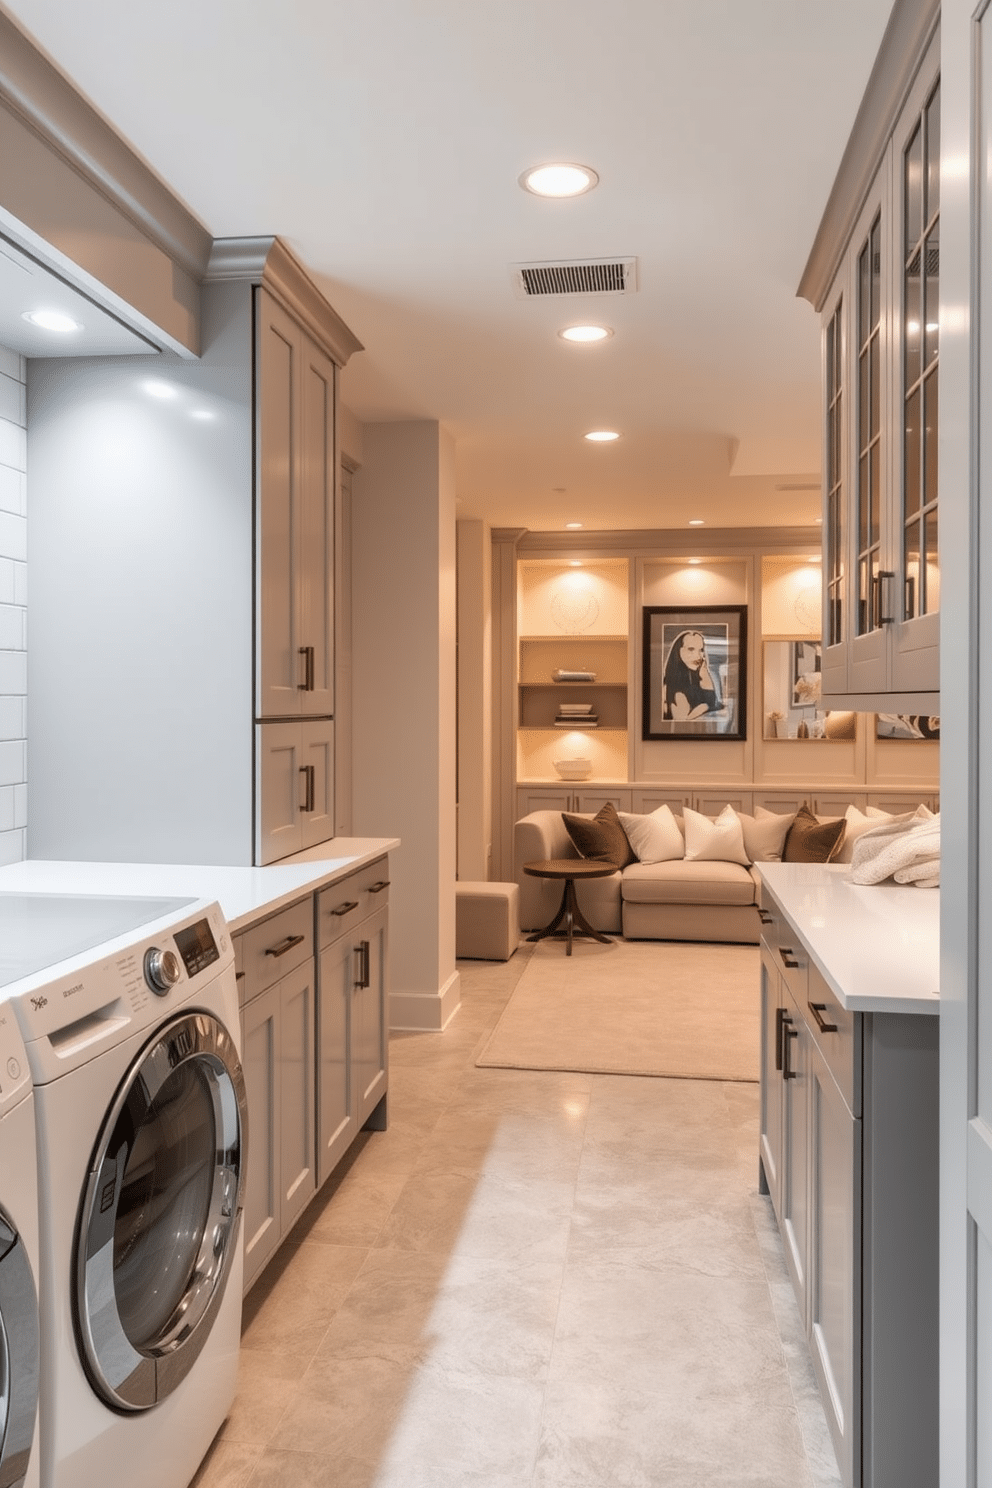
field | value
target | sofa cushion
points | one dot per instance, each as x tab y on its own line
813	841
603	839
654	837
714	841
685	881
765	834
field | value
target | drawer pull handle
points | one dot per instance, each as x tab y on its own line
285	945
818	1009
377	888
310	797
788	957
346	908
788	1073
308	668
780	1017
239	976
765	917
365	968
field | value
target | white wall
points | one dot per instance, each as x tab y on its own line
474	700
403	606
13	607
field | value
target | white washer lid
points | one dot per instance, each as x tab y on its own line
40	930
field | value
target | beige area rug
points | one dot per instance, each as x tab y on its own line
635	1007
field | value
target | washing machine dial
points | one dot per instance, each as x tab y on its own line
162	970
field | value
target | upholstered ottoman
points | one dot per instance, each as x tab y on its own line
487	920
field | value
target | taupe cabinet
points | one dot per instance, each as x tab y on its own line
848	1153
315	1039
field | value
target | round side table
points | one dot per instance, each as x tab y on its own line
575	923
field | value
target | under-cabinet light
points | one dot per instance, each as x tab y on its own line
52	320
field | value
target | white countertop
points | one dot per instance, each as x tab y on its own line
244	894
877	945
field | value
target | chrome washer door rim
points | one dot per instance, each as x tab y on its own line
19	1347
131	1378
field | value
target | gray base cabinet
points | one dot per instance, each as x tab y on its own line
315	1046
848	1154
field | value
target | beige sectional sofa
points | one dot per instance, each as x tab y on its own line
675	900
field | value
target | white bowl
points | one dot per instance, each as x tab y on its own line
573	769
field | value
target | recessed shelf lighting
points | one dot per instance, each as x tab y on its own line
572	526
160	389
558	180
601	436
52	320
586	335
697	522
694	560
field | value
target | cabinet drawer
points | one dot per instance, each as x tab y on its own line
277	946
786	950
837	1034
351	899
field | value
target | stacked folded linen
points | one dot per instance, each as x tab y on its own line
907	851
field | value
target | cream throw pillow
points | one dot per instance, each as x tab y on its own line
655	837
719	841
857	824
765	834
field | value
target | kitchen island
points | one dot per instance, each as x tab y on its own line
310	938
849	1151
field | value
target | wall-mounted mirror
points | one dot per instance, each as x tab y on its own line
792	694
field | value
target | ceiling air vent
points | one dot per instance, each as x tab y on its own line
577	276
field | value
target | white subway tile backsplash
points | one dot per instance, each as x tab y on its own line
13	445
13	673
13	628
13	606
13	846
13	762
13	718
13	489
13	536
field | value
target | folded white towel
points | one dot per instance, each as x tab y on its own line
908	851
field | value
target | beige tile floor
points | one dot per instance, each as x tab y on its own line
559	1281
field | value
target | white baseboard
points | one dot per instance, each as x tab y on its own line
425	1012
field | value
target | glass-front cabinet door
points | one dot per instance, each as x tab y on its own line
880	378
916	602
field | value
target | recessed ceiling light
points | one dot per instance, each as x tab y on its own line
697	522
584	334
160	389
602	436
559	180
52	320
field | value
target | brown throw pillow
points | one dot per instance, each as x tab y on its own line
602	839
812	841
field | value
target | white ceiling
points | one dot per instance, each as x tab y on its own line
383	140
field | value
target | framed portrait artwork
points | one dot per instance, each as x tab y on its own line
695	672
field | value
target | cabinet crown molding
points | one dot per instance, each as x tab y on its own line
268	261
911	28
34	91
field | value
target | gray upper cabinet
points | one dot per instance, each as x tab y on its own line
881	362
183	566
295	383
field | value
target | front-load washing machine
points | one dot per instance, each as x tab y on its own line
19	1346
141	1131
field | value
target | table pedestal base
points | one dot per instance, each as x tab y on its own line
575	922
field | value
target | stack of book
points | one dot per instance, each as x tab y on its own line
561	675
576	715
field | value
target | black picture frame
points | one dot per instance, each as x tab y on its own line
711	702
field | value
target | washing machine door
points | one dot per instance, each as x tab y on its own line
161	1213
18	1356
